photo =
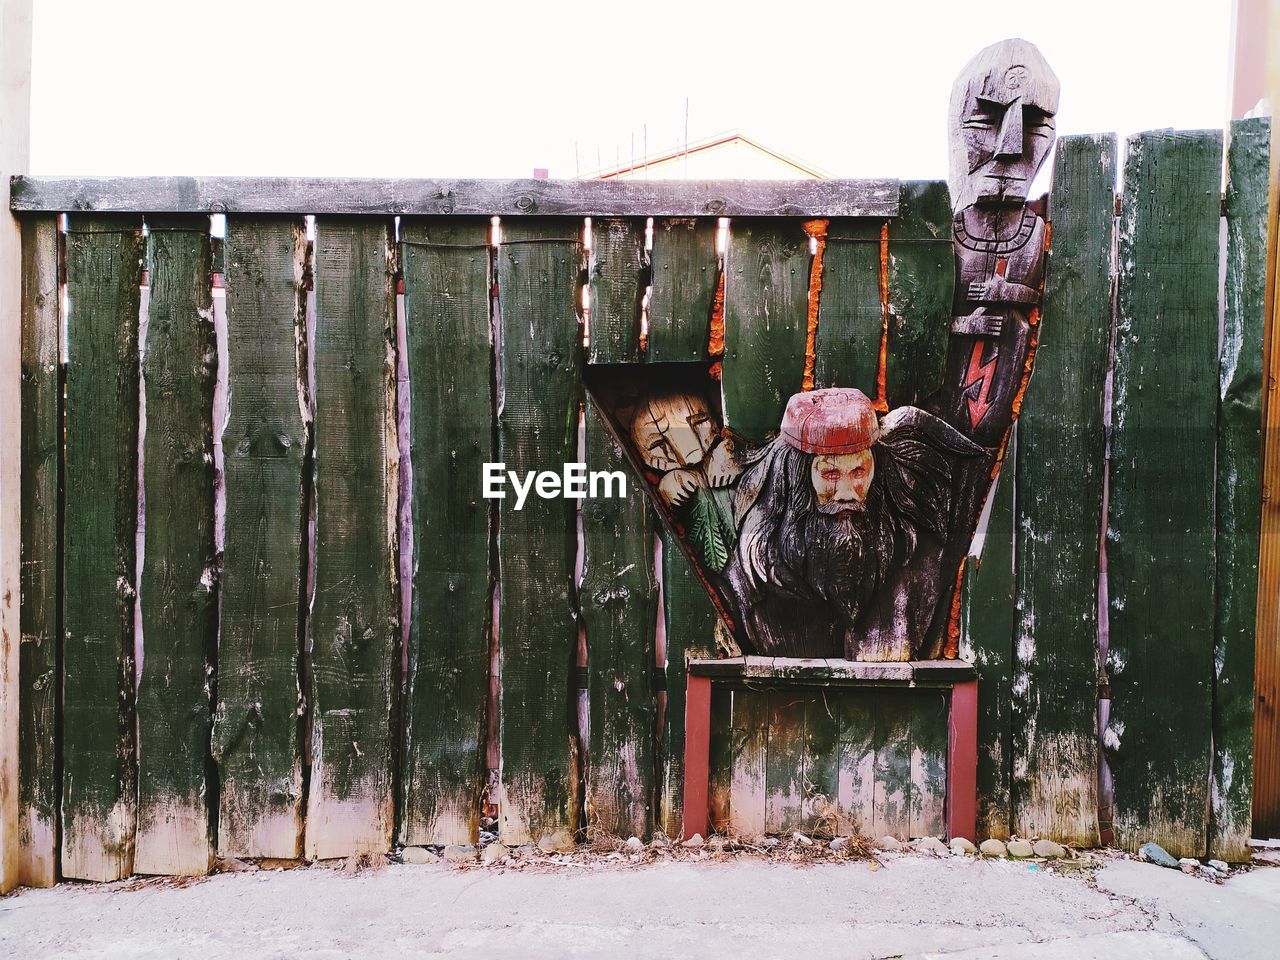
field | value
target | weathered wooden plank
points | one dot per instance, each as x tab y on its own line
447	278
41	397
104	256
255	729
786	768
618	600
179	572
1061	461
1239	489
686	269
719	759
1160	537
690	621
504	198
765	323
928	793
851	313
856	791
822	751
354	626
921	284
891	738
986	638
748	758
539	263
619	276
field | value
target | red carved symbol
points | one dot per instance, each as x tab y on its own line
982	375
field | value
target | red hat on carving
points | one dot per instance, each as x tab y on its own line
838	420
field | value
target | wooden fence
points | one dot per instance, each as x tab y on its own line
214	660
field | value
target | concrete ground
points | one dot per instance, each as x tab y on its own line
739	909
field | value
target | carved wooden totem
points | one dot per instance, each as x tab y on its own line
843	536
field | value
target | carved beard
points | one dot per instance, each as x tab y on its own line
844	554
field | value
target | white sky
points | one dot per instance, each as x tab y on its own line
490	88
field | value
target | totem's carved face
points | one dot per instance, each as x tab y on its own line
841	481
1002	124
673	431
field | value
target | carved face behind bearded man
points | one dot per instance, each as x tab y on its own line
829	512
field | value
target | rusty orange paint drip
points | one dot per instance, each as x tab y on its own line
952	648
715	346
882	390
1033	320
817	231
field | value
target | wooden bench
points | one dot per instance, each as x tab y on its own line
956	676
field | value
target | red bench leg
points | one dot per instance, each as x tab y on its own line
962	762
697	754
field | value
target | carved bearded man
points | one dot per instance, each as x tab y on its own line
841	524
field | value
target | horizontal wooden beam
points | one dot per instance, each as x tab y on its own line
822	671
505	198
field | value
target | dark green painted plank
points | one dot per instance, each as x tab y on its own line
686	270
785	769
690	622
619	275
765	323
179	572
539	265
986	638
104	256
1239	488
354	626
891	814
1061	451
447	277
685	275
40	537
618	600
850	310
255	726
929	711
921	284
1160	538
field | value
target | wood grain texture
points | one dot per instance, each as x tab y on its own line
354	624
1061	460
504	198
99	794
179	568
1160	536
685	269
829	761
539	265
851	311
41	549
986	639
685	272
255	739
765	323
447	277
618	602
690	621
921	284
619	276
1239	488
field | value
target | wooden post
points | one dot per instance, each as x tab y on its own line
15	112
962	761
697	754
